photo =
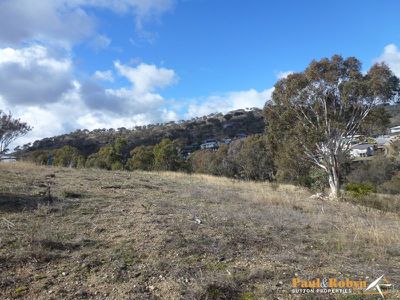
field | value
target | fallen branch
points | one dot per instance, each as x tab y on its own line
8	223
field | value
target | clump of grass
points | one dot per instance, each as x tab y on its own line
358	190
72	194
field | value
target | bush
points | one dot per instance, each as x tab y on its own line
142	158
250	158
317	179
391	187
67	156
167	157
117	166
358	190
108	157
374	172
40	157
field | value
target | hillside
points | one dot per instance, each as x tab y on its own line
189	132
138	235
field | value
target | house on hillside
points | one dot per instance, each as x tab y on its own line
210	144
362	150
8	159
188	150
383	139
227	141
240	135
395	130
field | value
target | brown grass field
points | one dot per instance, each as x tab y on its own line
92	234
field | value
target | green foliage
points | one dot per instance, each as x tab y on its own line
142	158
391	186
358	190
311	111
212	162
251	159
68	156
247	159
318	179
374	172
117	166
39	157
108	157
10	130
377	122
202	162
167	157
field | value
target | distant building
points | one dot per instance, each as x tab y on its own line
362	150
8	159
209	144
383	139
240	136
395	130
188	150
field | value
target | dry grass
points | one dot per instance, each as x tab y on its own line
121	235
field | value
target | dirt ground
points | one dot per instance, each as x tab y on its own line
92	234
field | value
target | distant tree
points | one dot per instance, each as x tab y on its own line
377	122
251	158
109	157
323	107
142	158
10	130
167	157
202	161
68	156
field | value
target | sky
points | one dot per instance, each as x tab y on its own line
87	64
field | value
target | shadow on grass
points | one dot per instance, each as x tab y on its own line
18	203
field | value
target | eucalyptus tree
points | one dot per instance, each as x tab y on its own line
324	107
10	130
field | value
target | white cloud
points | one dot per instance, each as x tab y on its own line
391	56
44	20
33	75
100	42
147	78
136	99
38	87
104	76
229	101
67	21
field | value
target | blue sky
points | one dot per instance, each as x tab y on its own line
75	64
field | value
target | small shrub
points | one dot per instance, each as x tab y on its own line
117	166
391	187
71	194
358	190
318	179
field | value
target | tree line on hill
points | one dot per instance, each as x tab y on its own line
301	136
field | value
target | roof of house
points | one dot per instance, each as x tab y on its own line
362	146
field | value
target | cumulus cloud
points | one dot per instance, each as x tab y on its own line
67	21
103	76
100	42
38	86
32	75
227	102
23	20
391	56
137	99
147	78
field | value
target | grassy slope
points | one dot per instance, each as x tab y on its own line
121	235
